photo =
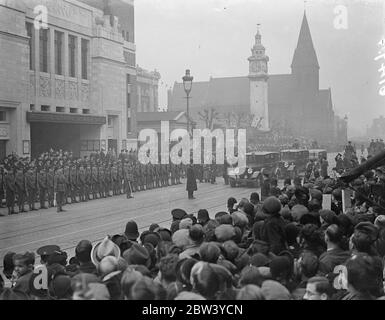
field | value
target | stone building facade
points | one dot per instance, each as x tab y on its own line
72	84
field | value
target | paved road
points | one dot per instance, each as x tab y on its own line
95	219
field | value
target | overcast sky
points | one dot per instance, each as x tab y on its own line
214	38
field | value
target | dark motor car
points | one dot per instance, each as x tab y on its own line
293	162
257	164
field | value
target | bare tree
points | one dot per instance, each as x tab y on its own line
209	116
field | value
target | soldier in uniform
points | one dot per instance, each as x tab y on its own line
43	187
206	173
88	182
167	174
147	176
2	184
31	187
95	181
128	173
107	180
114	178
10	189
157	175
213	172
74	186
172	174
142	177
150	175
50	186
81	182
119	178
102	190
67	191
20	188
60	184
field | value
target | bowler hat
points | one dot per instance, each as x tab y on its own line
131	230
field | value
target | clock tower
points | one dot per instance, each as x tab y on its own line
258	76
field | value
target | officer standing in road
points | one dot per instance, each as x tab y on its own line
191	185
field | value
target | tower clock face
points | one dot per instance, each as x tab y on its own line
253	66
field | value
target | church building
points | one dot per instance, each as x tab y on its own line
292	104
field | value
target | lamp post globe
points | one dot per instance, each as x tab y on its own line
187	84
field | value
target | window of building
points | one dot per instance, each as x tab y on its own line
90	145
59	52
3	115
85	44
30	29
31	107
60	109
128	125
130	59
110	121
72	56
45	108
73	110
43	34
128	101
86	111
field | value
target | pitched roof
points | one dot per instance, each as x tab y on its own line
305	54
233	92
158	116
280	89
198	96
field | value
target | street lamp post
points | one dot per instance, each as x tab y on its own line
187	84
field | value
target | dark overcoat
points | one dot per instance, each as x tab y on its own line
191	179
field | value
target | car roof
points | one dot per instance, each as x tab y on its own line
294	150
262	153
317	150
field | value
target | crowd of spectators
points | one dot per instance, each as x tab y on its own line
288	247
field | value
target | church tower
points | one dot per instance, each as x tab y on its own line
258	76
305	67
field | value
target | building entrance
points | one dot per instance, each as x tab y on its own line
56	136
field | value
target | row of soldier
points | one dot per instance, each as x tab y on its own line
77	181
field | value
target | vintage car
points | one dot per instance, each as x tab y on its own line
257	164
317	154
293	162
